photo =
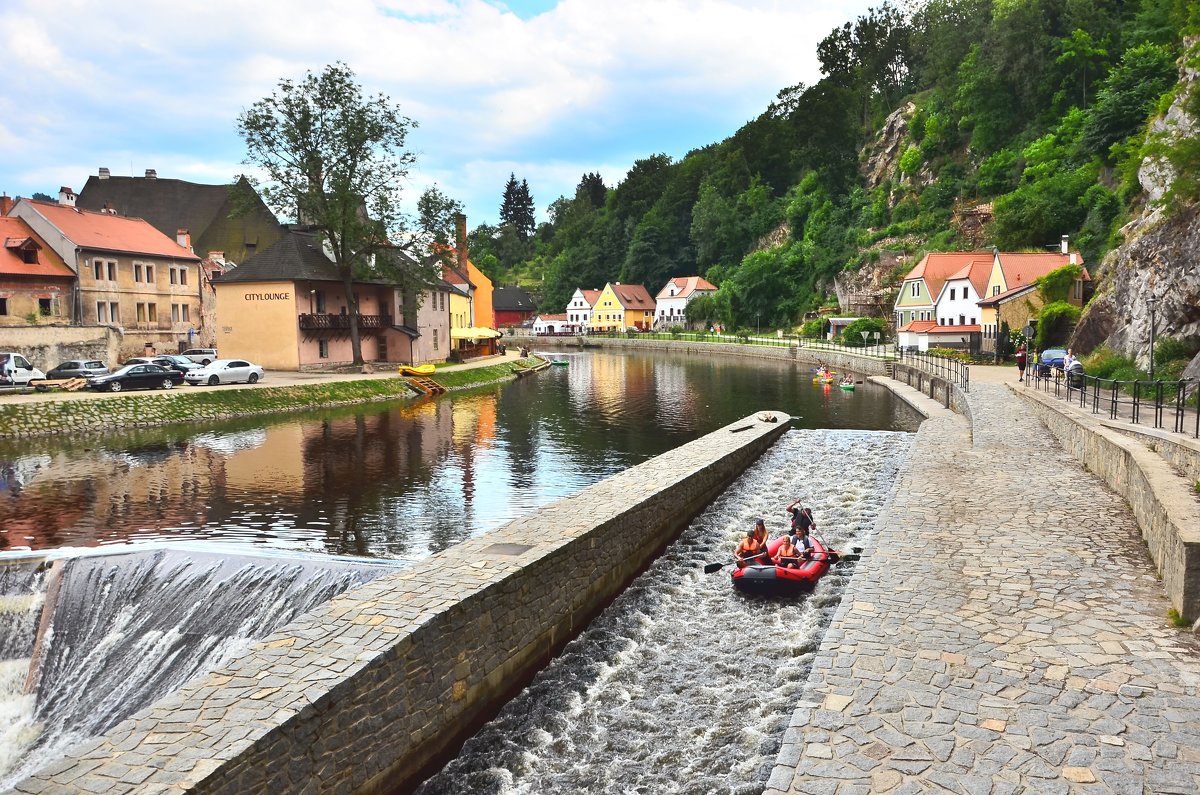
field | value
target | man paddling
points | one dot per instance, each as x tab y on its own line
802	518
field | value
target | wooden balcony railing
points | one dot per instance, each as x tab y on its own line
342	322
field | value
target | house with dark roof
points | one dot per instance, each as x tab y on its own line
35	283
286	309
231	219
130	276
512	305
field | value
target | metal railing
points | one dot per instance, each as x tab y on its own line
955	371
1128	400
318	322
770	339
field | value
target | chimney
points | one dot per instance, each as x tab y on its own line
184	238
217	256
103	173
460	241
151	174
1073	258
1064	244
66	196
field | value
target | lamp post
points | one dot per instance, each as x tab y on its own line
757	326
1153	302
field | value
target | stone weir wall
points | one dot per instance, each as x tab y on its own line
364	694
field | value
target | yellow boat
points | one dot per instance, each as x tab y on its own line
420	369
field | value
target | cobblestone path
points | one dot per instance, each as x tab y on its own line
992	650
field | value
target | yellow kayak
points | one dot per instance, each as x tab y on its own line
420	369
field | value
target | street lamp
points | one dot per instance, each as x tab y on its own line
1153	302
757	326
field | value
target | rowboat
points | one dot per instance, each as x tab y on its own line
420	369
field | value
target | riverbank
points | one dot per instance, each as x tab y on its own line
59	413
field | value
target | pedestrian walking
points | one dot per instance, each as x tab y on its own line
1022	358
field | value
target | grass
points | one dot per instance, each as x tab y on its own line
457	379
1177	620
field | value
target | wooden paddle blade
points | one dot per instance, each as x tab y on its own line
710	568
852	558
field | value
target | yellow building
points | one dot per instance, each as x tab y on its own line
621	307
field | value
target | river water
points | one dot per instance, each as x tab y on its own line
205	519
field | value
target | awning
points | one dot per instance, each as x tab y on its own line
473	333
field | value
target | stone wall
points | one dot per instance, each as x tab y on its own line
837	358
23	416
46	345
367	693
1163	502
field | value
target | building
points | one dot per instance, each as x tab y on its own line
673	298
230	219
513	306
579	308
621	307
553	324
286	309
36	286
129	275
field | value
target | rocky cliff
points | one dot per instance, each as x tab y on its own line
1157	268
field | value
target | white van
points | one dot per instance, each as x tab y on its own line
15	370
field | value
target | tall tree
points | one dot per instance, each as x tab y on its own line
334	159
516	208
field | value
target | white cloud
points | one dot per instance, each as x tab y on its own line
576	88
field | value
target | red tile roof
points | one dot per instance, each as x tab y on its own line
1023	268
591	296
545	318
18	237
954	329
918	326
939	266
687	285
105	232
633	297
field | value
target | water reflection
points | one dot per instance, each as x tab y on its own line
402	480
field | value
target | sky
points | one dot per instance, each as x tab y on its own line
540	89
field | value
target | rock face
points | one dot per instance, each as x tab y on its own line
870	290
1160	259
884	154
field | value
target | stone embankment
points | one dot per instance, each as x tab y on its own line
364	693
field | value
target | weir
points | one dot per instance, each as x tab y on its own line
87	638
365	692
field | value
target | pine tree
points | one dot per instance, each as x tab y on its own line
524	219
508	205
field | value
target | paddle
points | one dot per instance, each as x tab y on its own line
836	557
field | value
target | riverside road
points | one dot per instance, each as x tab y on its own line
1006	635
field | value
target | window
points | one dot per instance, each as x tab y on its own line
184	313
29	256
174	308
916	289
114	310
97	270
152	312
101	312
150	274
323	349
435	339
183	276
320	302
141	313
951	293
1079	288
112	271
3	306
44	306
137	271
171	275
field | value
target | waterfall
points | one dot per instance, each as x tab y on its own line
92	638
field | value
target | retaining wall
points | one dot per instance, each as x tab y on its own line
364	694
1163	502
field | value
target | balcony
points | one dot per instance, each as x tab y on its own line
318	322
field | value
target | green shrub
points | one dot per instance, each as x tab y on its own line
1168	349
812	328
1103	362
852	336
1055	323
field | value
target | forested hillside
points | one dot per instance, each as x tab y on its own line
1028	114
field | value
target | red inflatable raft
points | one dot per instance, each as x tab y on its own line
776	580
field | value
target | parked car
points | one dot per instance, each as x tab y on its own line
201	355
1050	360
136	376
15	370
225	371
169	361
78	368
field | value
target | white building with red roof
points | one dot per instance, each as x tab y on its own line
579	308
672	300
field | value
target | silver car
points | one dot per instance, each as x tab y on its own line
225	371
78	368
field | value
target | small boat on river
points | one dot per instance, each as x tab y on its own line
420	369
847	385
779	581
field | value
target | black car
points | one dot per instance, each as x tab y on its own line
137	376
78	368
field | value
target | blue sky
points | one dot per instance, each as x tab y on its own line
546	90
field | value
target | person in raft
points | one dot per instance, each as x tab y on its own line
788	555
802	518
847	379
753	548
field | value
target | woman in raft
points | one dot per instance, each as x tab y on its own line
753	548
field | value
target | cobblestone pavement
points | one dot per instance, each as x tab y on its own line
992	650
